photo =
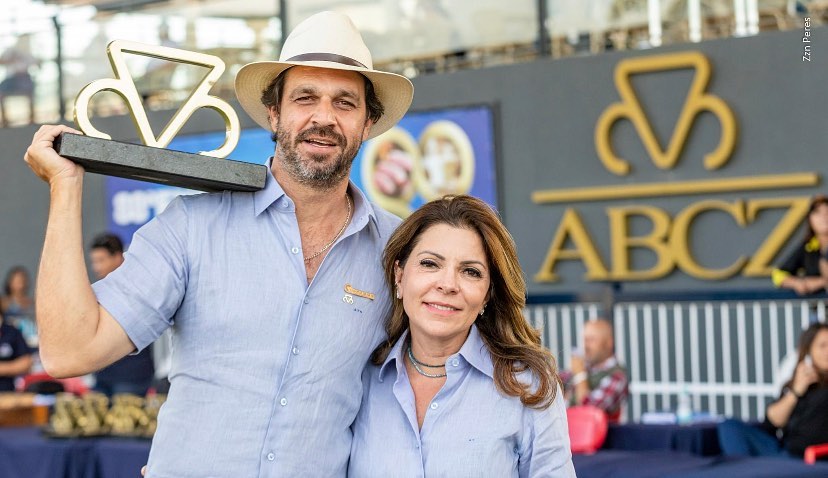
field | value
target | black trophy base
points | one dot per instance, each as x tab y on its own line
162	166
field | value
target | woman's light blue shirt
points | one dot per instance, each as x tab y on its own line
470	429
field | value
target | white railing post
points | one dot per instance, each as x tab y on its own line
694	21
654	17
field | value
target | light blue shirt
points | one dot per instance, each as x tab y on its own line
266	369
470	429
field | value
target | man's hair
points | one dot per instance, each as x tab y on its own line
108	241
272	95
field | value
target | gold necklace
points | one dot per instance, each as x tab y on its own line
325	248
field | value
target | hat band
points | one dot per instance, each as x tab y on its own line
327	57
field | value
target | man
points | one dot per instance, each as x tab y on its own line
276	297
596	378
133	373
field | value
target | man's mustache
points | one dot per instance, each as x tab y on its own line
326	132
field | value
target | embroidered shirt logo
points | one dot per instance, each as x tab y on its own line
359	293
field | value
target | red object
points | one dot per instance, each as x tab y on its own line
587	428
74	385
815	451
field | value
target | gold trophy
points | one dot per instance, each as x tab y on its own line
206	171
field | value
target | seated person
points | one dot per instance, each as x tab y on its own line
15	356
597	378
799	415
801	270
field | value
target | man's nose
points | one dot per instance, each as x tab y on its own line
324	114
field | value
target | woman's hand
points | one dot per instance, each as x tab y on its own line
804	376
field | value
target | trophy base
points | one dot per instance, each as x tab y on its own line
162	166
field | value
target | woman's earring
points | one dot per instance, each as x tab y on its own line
483	310
399	295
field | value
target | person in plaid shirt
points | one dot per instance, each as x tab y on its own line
597	378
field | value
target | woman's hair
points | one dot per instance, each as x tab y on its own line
514	346
806	340
817	201
10	274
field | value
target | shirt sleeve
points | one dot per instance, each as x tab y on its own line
144	293
18	344
609	393
791	265
545	448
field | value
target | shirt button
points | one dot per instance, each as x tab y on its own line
434	406
455	362
295	351
294	250
307	301
271	457
285	204
283	401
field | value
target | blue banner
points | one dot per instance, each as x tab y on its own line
427	155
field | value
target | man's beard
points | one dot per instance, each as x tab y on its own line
312	170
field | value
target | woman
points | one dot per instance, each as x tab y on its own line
17	304
799	412
462	386
801	270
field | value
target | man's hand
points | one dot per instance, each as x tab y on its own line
576	364
44	160
804	377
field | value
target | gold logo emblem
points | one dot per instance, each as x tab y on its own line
124	86
697	101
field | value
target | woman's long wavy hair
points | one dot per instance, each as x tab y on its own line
514	346
806	341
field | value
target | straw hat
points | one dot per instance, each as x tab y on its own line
325	40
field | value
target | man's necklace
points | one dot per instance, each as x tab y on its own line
341	230
416	363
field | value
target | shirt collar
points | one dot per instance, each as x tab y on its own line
273	192
605	365
476	353
473	351
812	245
394	355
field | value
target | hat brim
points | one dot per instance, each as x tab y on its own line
394	91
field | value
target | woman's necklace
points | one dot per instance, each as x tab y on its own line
325	248
416	363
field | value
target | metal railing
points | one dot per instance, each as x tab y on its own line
725	354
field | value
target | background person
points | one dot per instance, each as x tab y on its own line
133	373
801	270
597	378
799	415
18	81
17	304
462	376
15	356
